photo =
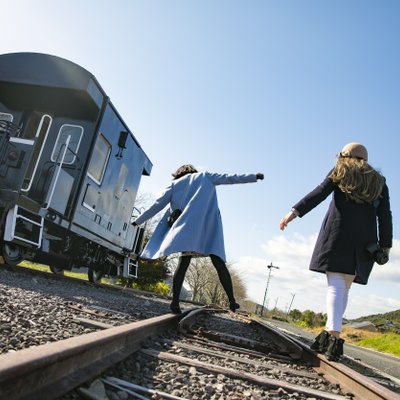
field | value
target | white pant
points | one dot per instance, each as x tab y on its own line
336	299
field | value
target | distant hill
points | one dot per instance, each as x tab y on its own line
393	316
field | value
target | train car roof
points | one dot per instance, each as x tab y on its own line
45	70
49	71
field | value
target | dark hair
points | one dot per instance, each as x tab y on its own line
184	170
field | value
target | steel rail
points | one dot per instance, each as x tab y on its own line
360	386
287	345
51	370
48	371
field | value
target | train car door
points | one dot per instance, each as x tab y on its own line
22	223
52	169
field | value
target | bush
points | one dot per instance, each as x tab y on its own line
159	288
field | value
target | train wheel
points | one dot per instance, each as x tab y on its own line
94	276
56	270
12	254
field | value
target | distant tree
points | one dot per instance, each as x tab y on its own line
205	285
320	319
295	315
308	318
199	277
393	316
311	319
239	285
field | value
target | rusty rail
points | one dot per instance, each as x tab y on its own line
50	370
351	381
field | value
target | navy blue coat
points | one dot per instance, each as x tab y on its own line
348	227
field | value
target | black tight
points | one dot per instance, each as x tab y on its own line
220	266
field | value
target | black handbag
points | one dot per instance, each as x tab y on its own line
173	216
377	253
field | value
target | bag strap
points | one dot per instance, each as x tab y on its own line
185	192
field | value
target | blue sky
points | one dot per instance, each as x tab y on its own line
238	86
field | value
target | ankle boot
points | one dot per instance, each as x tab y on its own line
335	349
320	344
174	306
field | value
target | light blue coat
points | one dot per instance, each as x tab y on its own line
199	227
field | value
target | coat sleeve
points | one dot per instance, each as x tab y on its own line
230	179
156	207
384	216
315	197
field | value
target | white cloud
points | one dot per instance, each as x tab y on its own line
369	304
293	278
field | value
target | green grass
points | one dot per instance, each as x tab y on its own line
385	343
45	268
37	267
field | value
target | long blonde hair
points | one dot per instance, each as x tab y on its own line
357	179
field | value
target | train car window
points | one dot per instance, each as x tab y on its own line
6	117
75	132
32	129
41	136
99	160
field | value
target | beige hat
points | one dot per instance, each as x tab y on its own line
355	150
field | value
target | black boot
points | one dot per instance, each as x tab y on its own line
175	308
226	280
335	349
320	344
177	282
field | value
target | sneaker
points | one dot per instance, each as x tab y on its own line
234	306
320	344
335	349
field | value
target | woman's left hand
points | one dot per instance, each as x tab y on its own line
290	216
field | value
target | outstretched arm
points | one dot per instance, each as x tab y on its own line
307	203
230	179
156	207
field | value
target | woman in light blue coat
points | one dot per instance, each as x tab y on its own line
197	230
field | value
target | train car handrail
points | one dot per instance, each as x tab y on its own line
56	175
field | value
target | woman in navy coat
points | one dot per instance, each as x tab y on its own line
198	230
358	218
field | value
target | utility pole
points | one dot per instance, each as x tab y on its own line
293	294
276	302
270	266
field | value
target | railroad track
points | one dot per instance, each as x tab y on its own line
202	354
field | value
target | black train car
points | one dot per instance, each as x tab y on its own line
70	169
